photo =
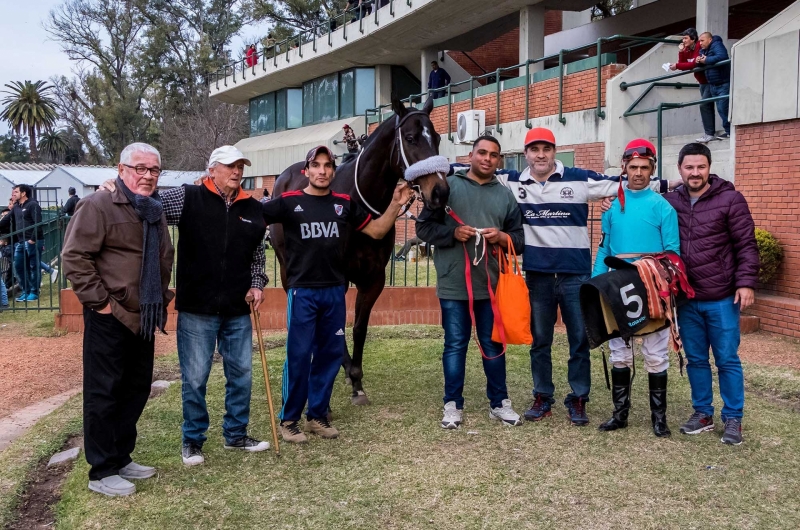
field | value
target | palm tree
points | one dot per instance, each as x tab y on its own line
53	144
29	109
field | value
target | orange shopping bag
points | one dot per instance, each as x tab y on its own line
512	301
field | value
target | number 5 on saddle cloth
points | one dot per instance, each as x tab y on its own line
635	299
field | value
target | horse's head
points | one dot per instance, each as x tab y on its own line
417	152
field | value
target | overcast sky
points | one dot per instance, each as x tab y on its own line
26	53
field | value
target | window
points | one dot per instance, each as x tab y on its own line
308	103
326	98
262	114
365	89
294	108
249	183
347	94
280	110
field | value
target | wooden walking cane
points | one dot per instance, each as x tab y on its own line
265	369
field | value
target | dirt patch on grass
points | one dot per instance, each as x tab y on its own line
768	349
36	507
38	367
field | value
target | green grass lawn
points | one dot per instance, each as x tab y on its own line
393	467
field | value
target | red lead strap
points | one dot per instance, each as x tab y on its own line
495	310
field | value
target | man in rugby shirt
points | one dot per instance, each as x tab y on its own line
315	222
557	260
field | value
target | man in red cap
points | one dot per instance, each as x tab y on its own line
315	221
557	260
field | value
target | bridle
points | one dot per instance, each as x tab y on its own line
402	161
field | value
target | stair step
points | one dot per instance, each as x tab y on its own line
684	139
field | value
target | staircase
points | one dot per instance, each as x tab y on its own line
722	156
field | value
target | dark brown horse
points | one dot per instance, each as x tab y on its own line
370	179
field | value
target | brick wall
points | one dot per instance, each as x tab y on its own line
767	155
579	94
396	305
553	21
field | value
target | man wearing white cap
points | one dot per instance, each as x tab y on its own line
220	260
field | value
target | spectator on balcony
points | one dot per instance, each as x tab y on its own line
713	52
251	58
69	206
438	78
688	51
269	46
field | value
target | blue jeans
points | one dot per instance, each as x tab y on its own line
197	337
707	110
548	292
26	265
723	89
714	324
3	292
457	325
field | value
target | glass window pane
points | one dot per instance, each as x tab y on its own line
346	93
365	89
280	110
269	124
262	114
308	103
510	162
567	158
254	117
294	108
326	98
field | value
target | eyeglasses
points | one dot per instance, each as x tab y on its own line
141	170
641	152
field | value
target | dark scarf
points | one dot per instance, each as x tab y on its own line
151	299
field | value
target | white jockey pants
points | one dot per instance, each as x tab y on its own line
655	349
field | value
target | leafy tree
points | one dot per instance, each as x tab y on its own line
13	148
54	145
609	8
29	109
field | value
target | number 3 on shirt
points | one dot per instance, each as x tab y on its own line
628	300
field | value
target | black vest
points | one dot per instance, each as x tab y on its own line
215	252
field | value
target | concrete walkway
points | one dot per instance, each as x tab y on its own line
15	425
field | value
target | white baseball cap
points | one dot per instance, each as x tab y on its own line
227	154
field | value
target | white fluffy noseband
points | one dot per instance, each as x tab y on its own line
429	166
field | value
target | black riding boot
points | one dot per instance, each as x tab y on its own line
621	397
658	403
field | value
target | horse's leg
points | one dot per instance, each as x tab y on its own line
367	296
347	362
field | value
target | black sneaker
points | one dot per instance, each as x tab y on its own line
577	412
540	409
192	454
248	444
733	432
698	423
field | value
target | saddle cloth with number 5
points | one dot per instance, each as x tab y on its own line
616	304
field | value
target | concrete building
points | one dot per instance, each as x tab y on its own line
594	94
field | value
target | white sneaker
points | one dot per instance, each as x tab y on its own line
705	139
54	275
452	416
506	414
113	486
134	470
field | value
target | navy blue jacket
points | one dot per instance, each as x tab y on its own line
438	78
715	53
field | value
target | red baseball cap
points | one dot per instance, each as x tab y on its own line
540	134
317	150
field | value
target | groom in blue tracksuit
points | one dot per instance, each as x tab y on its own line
644	222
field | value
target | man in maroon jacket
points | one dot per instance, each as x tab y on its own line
688	51
719	248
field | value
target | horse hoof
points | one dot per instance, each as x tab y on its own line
360	399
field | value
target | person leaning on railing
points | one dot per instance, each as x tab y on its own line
25	219
688	52
713	52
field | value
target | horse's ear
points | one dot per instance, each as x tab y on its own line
398	107
428	107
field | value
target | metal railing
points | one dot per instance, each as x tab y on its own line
496	75
657	82
318	31
21	264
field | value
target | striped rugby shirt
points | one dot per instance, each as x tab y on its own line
556	214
